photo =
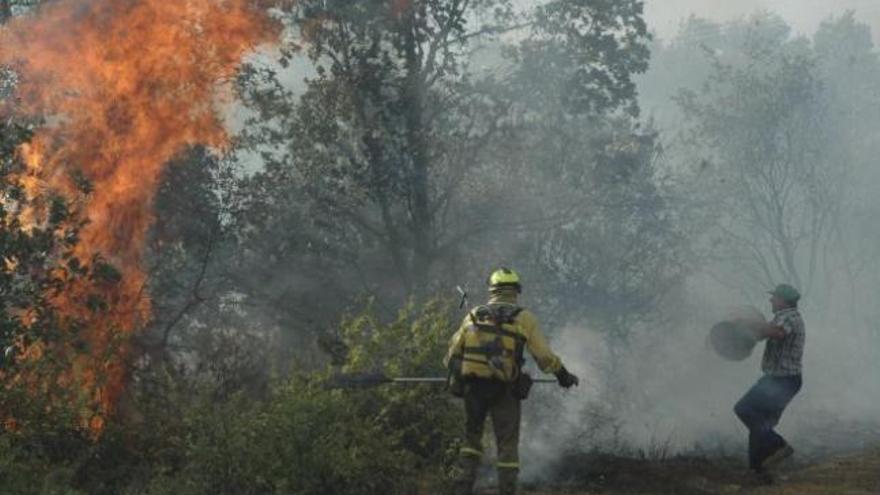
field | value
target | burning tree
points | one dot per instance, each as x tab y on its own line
119	89
45	348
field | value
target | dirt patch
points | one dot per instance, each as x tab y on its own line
851	474
854	474
602	474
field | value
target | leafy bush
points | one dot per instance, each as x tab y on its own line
305	437
413	345
311	438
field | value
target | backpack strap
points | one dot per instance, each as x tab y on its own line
499	316
520	342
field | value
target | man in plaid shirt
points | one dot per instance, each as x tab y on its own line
761	407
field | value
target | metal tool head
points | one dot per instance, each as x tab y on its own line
733	340
463	296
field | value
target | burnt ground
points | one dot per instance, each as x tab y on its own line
839	459
600	474
845	474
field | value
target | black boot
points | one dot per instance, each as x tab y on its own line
466	477
507	481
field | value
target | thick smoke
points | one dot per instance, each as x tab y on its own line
667	393
665	16
670	394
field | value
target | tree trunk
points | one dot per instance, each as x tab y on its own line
420	210
5	11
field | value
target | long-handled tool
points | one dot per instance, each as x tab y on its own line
369	380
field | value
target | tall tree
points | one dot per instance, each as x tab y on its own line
762	119
381	165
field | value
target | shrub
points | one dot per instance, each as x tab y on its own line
308	438
304	437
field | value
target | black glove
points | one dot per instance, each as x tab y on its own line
565	378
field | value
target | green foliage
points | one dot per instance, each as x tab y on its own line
411	345
306	438
592	48
303	437
27	473
612	261
41	454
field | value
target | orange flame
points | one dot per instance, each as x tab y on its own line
124	85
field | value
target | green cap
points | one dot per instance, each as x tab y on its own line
788	293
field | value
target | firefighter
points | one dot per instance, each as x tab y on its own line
485	358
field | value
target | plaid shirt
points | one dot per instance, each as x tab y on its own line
782	357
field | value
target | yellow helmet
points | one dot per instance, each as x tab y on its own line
504	277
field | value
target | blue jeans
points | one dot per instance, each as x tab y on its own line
760	410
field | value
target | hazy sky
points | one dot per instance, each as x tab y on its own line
663	16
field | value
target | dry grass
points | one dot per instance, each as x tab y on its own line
856	474
853	474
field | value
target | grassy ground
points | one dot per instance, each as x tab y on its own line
850	474
855	474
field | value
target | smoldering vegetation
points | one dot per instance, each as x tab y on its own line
388	152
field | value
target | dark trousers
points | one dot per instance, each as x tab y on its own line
760	410
484	398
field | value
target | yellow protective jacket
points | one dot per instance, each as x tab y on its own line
486	348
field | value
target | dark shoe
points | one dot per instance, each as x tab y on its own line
781	454
462	488
466	475
761	478
507	481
